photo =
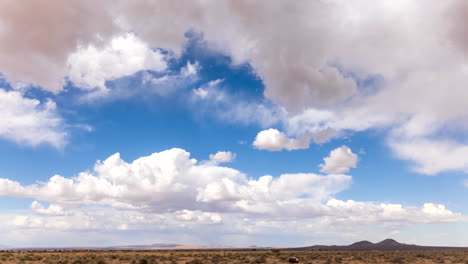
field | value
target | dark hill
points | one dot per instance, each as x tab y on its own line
361	245
387	244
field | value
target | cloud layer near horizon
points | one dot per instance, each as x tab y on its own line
170	181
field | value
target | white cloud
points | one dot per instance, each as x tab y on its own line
170	184
274	140
163	85
366	212
340	161
223	157
313	64
311	69
171	181
170	193
53	209
30	122
202	93
89	67
209	90
35	49
338	220
117	227
432	156
190	69
213	99
198	217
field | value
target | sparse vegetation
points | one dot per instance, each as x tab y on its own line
236	257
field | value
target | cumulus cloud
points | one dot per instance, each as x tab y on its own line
90	67
340	161
38	36
29	121
172	181
310	80
53	209
302	66
170	184
223	157
170	192
309	66
144	83
274	140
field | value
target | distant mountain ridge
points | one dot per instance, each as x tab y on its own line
158	245
387	244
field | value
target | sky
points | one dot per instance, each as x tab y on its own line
234	123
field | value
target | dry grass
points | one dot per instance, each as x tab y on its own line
236	257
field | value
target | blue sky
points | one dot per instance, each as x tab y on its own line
297	141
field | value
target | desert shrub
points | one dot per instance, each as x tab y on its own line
101	261
421	255
398	260
194	261
261	259
244	260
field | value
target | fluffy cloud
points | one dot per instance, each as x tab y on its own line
340	161
171	181
274	140
356	69
302	66
223	157
39	36
172	185
53	209
90	66
29	121
170	193
296	63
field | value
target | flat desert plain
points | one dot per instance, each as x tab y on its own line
236	257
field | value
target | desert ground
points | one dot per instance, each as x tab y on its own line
236	257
